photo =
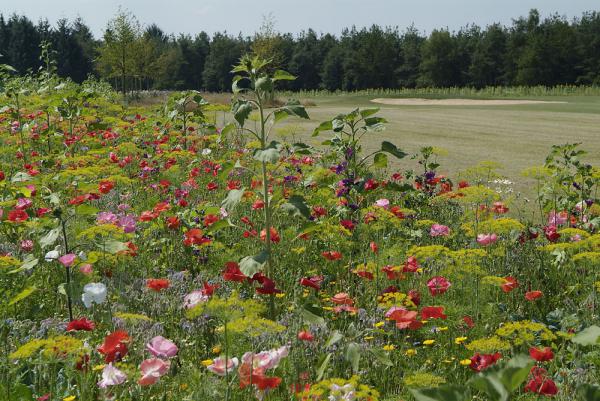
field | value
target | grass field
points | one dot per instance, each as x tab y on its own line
515	136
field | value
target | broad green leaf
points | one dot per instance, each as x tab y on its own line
310	317
20	392
264	84
323	366
588	336
268	155
233	198
335	337
219	225
400	188
515	372
368	112
85	209
250	265
353	356
380	160
324	126
29	263
241	110
22	295
443	393
293	107
21	177
281	75
113	246
230	127
50	237
296	205
589	392
392	149
382	356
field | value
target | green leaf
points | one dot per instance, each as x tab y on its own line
353	356
324	126
588	336
400	188
310	317
589	392
267	155
392	150
334	338
364	113
230	127
85	210
293	107
375	123
281	75
443	393
323	366
113	246
29	263
264	84
21	177
50	237
382	356
22	295
296	206
20	392
380	160
241	111
233	198
219	225
499	381
250	265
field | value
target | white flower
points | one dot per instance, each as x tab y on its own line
52	255
111	376
206	152
93	293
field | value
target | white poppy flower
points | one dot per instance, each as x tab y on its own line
93	293
51	256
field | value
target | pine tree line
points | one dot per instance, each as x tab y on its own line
530	51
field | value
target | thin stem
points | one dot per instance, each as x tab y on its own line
67	271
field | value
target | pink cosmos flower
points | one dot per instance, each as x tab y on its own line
557	218
194	298
438	285
67	260
384	203
86	269
218	366
152	370
111	376
487	239
106	218
439	230
23	203
161	347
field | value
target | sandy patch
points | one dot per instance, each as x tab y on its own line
457	102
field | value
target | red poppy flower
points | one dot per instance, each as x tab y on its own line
173	222
82	324
114	346
371	185
347	224
17	216
332	255
195	236
415	297
157	284
312	282
397	211
499	208
267	286
148	215
305	335
404	318
275	238
374	247
319	211
533	295
469	321
105	186
208	289
411	265
211	186
392	272
342	299
78	200
42	211
438	285
210	219
463	184
433	312
480	362
258	204
510	284
232	272
540	383
541	355
551	234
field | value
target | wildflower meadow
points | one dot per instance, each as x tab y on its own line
184	251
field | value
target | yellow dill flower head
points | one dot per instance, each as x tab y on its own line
525	332
488	345
423	380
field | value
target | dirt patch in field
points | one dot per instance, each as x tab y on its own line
457	102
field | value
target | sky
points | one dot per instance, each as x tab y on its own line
245	16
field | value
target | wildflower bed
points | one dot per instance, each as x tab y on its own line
152	254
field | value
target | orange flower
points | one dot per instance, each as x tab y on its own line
157	284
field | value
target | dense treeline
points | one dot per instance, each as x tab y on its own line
531	51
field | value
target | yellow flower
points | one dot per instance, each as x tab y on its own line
216	349
379	324
410	352
369	338
207	362
465	362
460	340
389	347
280	295
69	398
428	342
98	367
442	328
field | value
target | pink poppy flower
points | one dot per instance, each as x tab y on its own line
557	218
111	376
218	366
67	260
384	203
487	239
194	298
86	269
161	347
439	230
438	285
152	370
